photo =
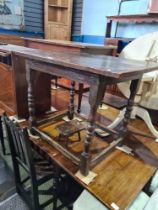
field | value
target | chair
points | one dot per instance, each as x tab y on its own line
37	169
142	48
1	134
39	172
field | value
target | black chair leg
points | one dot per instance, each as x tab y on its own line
2	138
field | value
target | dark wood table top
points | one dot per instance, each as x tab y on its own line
108	66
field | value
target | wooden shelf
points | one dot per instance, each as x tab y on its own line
141	18
58	6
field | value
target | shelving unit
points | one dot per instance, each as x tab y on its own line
140	18
58	15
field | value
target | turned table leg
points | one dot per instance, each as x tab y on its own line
31	100
71	102
95	98
80	94
133	90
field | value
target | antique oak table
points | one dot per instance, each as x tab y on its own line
96	70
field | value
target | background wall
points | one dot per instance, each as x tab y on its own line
34	15
11	14
27	18
77	17
94	19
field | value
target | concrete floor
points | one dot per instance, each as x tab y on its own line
7	186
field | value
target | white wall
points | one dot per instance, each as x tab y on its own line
95	12
94	15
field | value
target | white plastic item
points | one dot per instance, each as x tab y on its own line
143	48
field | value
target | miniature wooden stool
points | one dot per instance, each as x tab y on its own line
68	129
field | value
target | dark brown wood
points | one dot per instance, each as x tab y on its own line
140	18
31	97
1	133
133	90
108	66
96	96
14	87
69	46
71	103
108	28
68	129
80	94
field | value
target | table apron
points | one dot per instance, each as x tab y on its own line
75	74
